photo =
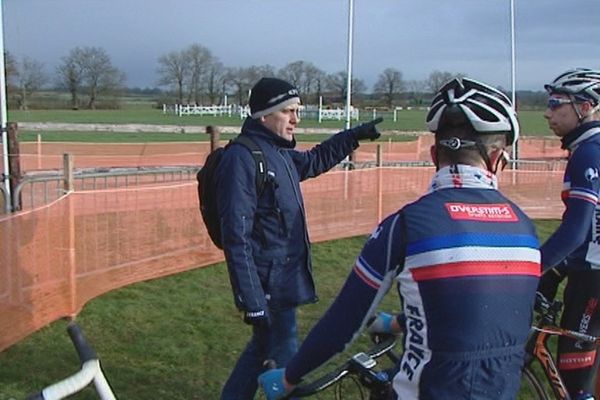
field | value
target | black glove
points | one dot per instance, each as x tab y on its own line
368	130
549	282
259	319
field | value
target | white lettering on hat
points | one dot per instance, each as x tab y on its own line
291	92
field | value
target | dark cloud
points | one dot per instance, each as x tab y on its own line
415	36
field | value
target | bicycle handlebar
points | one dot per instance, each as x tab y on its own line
90	372
549	311
84	350
383	344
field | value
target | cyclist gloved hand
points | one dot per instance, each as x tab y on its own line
549	282
383	323
273	383
367	130
259	319
583	396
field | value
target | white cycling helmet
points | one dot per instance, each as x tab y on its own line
582	84
487	109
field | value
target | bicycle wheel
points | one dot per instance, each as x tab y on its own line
532	387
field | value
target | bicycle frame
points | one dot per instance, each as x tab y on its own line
537	347
542	353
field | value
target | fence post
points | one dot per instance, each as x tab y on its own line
320	107
39	150
68	172
215	137
14	163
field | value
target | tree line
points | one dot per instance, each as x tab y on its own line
194	75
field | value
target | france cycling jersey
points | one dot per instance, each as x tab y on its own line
466	263
578	237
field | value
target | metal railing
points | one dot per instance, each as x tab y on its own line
37	189
40	188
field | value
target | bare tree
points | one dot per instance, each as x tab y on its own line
293	73
98	74
236	81
199	59
30	77
438	78
69	76
215	81
89	69
191	73
416	90
336	84
314	82
304	75
389	85
10	73
242	79
172	71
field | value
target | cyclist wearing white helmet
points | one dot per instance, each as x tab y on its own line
465	260
573	251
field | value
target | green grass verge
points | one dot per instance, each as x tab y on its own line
532	122
171	338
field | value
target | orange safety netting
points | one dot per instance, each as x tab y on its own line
49	155
56	258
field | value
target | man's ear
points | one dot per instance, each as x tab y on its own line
585	108
433	154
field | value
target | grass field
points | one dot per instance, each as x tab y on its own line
532	122
171	338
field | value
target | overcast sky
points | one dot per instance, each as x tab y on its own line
413	36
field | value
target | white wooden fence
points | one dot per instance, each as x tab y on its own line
192	109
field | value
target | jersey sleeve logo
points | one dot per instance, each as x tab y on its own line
482	212
591	174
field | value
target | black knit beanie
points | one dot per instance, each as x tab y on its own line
270	95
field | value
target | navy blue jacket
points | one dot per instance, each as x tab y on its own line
577	239
265	237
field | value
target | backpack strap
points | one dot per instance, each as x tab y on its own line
259	159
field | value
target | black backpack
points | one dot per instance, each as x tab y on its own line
207	185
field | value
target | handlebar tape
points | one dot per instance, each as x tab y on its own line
84	350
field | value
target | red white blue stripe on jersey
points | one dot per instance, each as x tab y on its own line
367	274
475	268
473	255
472	239
582	194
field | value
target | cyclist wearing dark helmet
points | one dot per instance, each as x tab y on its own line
573	251
465	260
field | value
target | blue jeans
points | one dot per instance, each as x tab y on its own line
279	342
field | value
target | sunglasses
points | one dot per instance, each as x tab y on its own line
555	102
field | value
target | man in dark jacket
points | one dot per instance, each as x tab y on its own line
264	235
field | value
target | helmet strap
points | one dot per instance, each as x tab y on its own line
581	117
